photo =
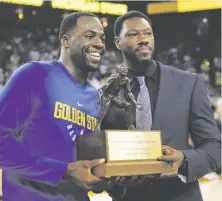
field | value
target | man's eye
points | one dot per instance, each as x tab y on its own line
103	40
132	34
89	36
149	33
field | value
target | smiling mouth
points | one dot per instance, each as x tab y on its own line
144	49
94	54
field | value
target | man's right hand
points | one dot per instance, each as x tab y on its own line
80	171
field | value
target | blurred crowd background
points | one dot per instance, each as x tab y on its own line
190	41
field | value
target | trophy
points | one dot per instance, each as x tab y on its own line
129	152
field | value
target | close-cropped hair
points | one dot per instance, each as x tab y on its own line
70	21
121	19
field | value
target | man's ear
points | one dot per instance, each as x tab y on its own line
65	41
117	41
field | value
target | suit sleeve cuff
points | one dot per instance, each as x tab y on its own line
183	170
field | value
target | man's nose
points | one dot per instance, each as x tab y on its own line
142	40
99	44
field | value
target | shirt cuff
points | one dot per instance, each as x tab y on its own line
182	178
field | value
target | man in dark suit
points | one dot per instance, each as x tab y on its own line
176	103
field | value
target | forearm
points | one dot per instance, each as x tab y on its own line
65	187
206	155
14	157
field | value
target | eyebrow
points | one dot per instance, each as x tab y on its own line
146	29
94	32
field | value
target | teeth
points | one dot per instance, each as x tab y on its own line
95	54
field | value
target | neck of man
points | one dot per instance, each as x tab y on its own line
136	66
79	73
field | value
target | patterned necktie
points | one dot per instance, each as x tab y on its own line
143	117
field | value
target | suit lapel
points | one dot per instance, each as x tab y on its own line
115	119
165	98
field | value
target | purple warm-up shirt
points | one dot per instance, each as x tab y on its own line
42	110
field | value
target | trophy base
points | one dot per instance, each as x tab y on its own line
137	168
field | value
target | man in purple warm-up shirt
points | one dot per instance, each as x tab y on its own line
43	107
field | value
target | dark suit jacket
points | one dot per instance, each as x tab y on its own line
182	108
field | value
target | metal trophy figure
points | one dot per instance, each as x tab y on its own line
109	95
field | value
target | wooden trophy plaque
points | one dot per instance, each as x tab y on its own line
127	152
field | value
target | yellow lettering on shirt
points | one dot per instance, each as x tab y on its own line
71	114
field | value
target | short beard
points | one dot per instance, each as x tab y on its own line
135	60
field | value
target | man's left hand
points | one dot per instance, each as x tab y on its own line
173	156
